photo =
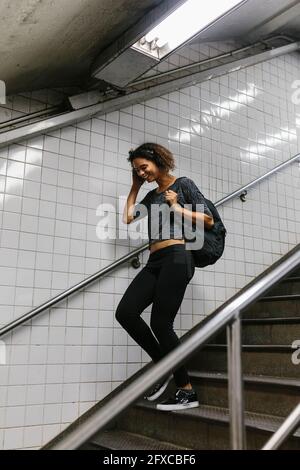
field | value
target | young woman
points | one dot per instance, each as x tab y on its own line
168	271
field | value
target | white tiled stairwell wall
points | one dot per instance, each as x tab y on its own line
224	133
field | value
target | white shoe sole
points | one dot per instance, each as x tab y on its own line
194	404
160	391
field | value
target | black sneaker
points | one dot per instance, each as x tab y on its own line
180	401
157	390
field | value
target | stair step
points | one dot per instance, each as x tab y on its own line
271	321
279	298
121	440
252	379
268	331
270	360
296	272
214	413
288	286
272	310
275	305
256	347
261	312
267	395
204	427
291	279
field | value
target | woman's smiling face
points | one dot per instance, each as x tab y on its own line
146	169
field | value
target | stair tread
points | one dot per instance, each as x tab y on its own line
280	297
289	279
214	413
271	320
120	440
247	378
252	347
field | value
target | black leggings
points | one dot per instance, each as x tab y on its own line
163	282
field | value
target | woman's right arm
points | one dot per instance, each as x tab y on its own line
130	203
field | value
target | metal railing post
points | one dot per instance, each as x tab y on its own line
235	385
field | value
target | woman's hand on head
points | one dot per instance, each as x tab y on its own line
137	181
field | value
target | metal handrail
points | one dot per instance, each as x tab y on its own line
50	303
58	298
228	315
287	428
28	117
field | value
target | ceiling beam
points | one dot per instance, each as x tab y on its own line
275	23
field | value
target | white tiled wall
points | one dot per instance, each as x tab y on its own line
224	133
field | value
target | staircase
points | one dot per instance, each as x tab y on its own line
271	386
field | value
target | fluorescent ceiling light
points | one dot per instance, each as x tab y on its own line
185	22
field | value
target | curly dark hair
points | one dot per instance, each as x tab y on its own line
158	154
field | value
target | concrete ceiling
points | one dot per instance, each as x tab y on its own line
46	43
52	43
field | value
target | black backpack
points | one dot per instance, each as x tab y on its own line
214	240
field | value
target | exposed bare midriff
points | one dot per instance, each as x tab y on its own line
163	243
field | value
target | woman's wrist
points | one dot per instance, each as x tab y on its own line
177	207
135	188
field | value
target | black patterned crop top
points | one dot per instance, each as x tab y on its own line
185	189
